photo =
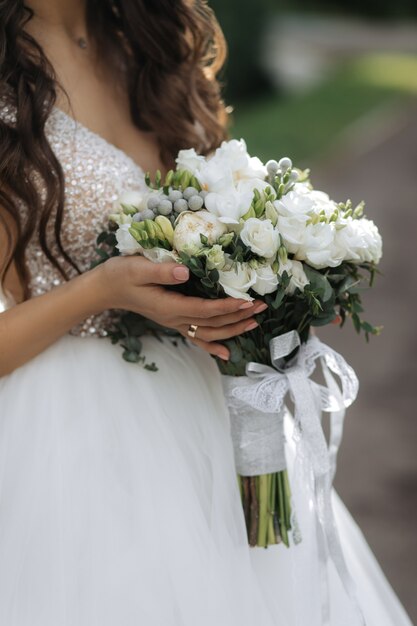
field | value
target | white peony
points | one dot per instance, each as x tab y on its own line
261	237
126	244
237	280
160	255
190	225
266	280
298	278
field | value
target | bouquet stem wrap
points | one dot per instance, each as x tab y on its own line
257	407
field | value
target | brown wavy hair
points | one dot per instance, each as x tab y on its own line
172	52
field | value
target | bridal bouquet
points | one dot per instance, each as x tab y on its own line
247	230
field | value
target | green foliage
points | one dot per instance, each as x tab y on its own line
304	125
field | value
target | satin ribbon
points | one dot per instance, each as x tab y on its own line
264	389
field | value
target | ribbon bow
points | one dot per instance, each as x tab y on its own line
264	389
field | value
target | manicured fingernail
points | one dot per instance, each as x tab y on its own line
251	326
260	308
223	354
181	273
246	305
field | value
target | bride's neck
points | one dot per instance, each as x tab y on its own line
67	16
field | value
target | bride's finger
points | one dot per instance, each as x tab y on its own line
215	349
231	318
205	333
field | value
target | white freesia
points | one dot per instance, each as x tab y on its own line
237	280
136	199
298	278
230	205
261	237
190	225
120	218
234	153
266	280
126	243
189	160
216	258
215	176
229	165
160	255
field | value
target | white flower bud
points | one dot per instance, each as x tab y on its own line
180	205
174	195
272	167
164	207
195	203
285	164
189	192
153	201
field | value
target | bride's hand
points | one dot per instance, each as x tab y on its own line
136	284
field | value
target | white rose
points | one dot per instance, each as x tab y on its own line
261	237
216	258
297	203
360	240
266	280
160	255
319	246
292	230
298	278
126	244
237	280
189	160
190	225
372	251
229	205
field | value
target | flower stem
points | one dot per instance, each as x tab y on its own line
254	512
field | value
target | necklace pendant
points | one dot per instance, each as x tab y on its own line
82	43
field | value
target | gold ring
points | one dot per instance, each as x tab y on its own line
192	329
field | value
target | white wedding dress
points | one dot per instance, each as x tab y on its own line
119	503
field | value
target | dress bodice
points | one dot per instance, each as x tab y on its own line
96	172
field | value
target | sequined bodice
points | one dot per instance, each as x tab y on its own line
96	172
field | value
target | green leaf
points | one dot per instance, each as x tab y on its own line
207	282
131	357
319	283
277	301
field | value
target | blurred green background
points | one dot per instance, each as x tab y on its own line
334	86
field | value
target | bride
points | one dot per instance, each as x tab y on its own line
118	498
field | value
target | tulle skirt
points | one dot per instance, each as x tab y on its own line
119	504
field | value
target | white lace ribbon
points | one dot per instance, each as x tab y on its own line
256	403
